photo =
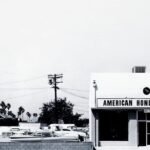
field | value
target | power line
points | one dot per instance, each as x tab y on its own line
81	103
24	88
25	95
19	81
81	110
76	95
74	89
36	88
81	106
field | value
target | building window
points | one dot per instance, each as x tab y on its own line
113	126
141	115
143	128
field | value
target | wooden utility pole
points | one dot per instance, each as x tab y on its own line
53	81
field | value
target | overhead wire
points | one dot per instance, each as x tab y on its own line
37	88
74	89
20	81
73	94
41	88
25	95
79	107
82	110
24	88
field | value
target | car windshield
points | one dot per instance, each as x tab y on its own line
66	130
57	128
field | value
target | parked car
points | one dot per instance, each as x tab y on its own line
61	130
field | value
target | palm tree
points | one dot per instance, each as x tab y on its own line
35	115
29	115
4	106
8	106
21	110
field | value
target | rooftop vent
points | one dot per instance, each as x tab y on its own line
139	69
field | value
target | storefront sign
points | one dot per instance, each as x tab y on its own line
123	102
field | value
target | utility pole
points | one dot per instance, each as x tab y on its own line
53	81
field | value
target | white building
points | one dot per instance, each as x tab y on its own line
120	109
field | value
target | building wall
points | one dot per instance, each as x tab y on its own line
133	127
117	86
92	129
46	146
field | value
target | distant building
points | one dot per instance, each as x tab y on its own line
120	109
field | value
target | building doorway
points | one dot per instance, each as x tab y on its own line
142	133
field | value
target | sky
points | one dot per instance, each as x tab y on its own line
76	38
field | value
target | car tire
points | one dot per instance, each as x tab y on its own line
81	138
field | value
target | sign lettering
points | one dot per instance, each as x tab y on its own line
127	102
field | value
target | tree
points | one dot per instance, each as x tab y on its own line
8	106
64	111
3	107
5	110
29	115
21	110
35	114
10	113
35	117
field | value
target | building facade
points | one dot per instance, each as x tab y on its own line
120	109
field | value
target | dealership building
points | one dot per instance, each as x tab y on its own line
120	109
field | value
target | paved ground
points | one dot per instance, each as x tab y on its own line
123	148
5	140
